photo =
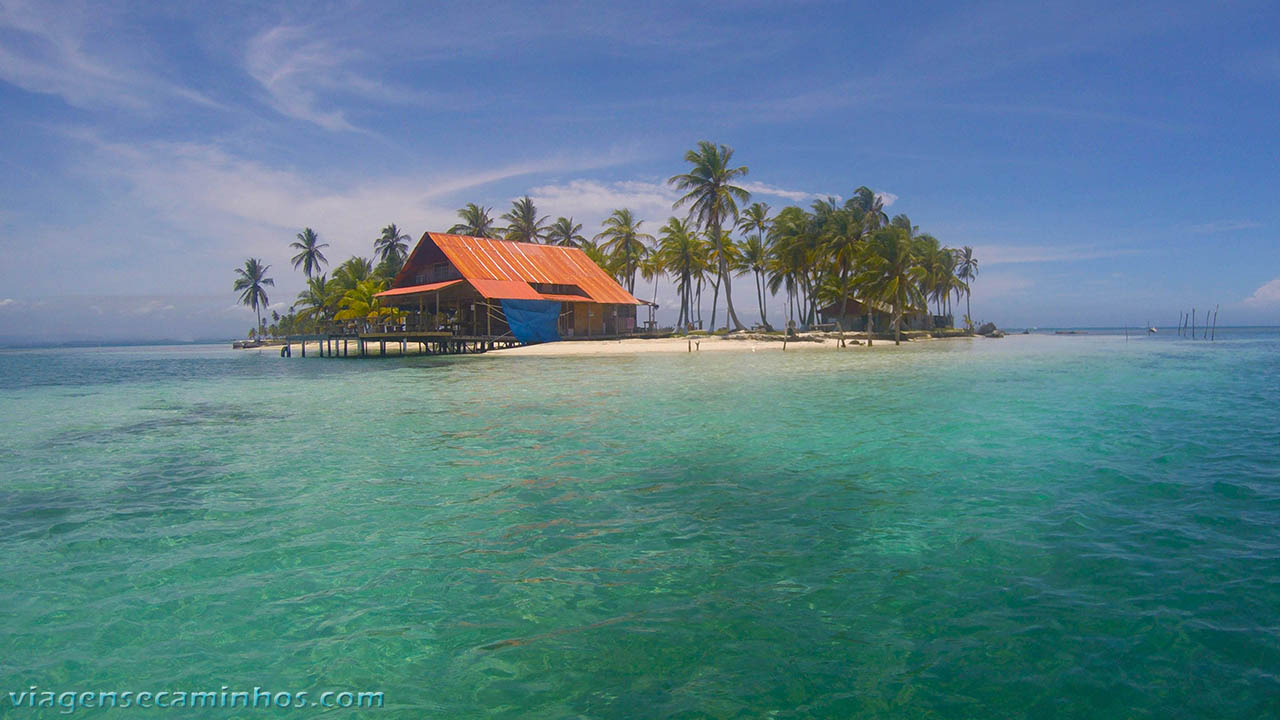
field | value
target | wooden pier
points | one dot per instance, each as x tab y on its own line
411	342
408	343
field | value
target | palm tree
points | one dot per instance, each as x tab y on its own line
623	240
755	251
866	200
966	272
524	225
928	253
892	275
361	302
755	219
939	265
250	281
726	253
565	232
309	255
476	222
651	270
755	259
794	263
392	246
713	198
682	254
836	289
901	220
607	263
947	282
346	276
314	298
843	243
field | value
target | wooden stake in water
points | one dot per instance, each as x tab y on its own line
1179	322
1213	335
1193	323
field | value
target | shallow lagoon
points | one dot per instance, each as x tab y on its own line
1050	526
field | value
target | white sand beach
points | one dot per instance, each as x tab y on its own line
746	343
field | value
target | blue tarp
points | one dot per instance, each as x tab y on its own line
533	321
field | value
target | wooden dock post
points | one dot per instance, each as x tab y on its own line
1193	323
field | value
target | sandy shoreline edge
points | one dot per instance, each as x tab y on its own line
636	346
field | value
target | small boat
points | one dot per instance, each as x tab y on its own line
1152	331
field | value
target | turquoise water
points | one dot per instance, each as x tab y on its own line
1037	526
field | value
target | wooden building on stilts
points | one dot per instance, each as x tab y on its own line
500	288
469	294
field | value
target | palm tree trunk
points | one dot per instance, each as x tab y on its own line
968	314
760	297
684	303
715	300
699	303
764	303
728	297
724	275
870	328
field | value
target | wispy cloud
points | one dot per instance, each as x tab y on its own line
309	73
592	200
652	200
68	50
759	188
1266	296
1220	226
229	206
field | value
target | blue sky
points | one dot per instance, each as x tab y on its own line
1110	163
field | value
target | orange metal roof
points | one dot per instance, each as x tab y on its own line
504	269
414	289
564	298
504	289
